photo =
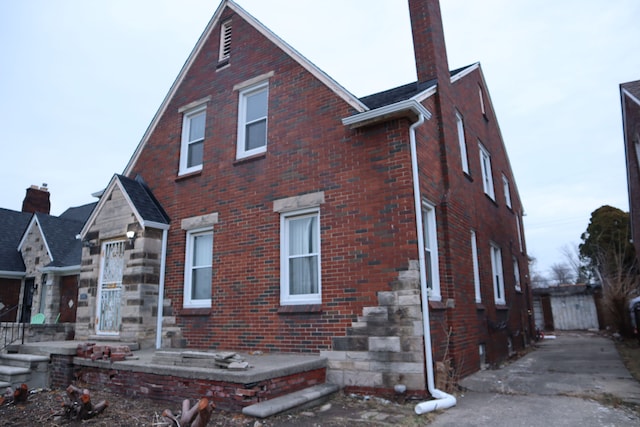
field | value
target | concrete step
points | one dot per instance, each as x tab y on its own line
301	399
37	365
14	375
4	385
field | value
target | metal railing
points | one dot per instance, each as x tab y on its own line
10	331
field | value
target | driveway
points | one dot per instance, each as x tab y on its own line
577	379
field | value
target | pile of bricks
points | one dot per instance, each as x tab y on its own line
91	350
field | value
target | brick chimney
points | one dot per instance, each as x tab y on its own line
37	200
428	40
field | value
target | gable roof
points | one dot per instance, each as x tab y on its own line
340	91
12	226
145	207
59	235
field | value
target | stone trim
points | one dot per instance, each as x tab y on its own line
202	221
253	81
194	104
311	200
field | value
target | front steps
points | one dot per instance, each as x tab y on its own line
30	369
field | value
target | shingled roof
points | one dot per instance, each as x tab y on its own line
404	92
12	227
60	235
143	200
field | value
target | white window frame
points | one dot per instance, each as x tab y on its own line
487	175
476	267
498	274
481	95
637	149
507	190
430	234
242	122
519	229
286	298
516	274
184	147
225	41
462	142
188	301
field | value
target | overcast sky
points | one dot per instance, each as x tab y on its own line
81	80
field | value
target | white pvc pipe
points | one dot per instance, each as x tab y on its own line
163	263
441	399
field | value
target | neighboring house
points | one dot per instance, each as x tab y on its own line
267	208
630	98
40	260
566	307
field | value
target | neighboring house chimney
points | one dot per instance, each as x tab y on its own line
37	200
428	40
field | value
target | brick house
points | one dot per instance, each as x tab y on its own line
267	208
630	99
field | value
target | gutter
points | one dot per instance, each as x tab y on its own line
442	400
160	314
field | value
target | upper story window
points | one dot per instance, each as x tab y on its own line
516	274
252	120
519	230
225	42
507	192
487	176
193	131
498	275
482	107
637	147
476	267
431	250
198	268
300	258
463	143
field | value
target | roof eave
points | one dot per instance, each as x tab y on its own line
12	274
409	108
70	269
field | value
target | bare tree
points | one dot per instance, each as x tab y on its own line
572	259
561	273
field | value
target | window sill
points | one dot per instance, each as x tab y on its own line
501	307
300	308
188	175
437	305
480	306
250	159
205	311
222	64
468	176
491	199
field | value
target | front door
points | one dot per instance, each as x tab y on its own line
68	299
110	288
27	299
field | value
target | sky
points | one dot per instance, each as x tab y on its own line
81	80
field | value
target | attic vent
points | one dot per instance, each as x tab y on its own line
225	41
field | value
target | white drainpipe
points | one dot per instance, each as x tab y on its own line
163	262
441	399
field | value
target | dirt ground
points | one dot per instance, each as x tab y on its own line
41	409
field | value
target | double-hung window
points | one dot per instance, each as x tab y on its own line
507	191
300	258
198	268
431	250
476	267
462	142
192	147
485	166
498	275
252	120
516	274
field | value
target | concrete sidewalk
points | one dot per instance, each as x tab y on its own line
575	379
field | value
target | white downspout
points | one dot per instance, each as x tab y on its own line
163	263
441	399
